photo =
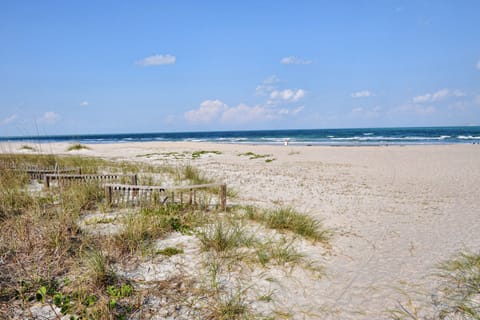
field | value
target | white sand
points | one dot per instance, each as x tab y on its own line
397	211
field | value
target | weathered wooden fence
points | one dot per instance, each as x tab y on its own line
39	173
7	164
63	178
134	194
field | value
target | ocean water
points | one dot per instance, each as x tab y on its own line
334	137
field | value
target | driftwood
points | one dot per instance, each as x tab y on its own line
135	194
62	178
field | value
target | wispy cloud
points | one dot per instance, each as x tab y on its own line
50	117
416	109
244	114
267	85
157	60
437	96
84	103
294	60
368	113
8	120
362	94
287	95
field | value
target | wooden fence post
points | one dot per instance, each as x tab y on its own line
134	179
108	194
47	181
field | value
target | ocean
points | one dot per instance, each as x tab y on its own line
333	137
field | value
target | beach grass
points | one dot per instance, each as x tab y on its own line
225	236
288	219
252	155
27	148
455	294
77	146
49	257
169	251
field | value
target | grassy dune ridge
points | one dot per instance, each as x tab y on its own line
52	265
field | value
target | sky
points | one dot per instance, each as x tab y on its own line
80	67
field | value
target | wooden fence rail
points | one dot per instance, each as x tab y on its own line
90	177
135	194
39	173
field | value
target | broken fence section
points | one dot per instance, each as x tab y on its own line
40	173
63	178
204	194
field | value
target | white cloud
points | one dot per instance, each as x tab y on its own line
209	110
287	95
294	60
84	103
8	120
418	109
478	65
271	80
50	117
438	96
362	94
157	60
244	113
267	85
367	113
215	110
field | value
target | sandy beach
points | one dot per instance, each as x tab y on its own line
396	211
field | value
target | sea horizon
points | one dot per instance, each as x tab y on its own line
338	136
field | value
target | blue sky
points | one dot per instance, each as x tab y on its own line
70	67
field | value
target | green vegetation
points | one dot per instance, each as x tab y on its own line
102	220
223	237
142	228
198	154
28	148
49	257
193	175
456	295
179	155
252	155
287	219
76	147
279	252
169	251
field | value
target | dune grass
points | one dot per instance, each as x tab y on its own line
141	228
47	257
77	146
198	154
169	251
288	219
27	148
455	296
224	236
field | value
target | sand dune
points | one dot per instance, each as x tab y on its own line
397	211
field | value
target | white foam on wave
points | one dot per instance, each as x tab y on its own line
382	138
